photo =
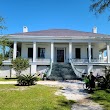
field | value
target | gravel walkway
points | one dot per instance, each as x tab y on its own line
72	90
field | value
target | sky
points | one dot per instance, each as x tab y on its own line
51	14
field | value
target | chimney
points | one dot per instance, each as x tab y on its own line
94	30
25	29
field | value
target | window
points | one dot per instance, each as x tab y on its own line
91	53
41	52
30	52
78	53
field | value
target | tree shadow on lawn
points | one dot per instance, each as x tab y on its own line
102	97
62	105
67	103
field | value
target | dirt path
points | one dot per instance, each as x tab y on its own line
73	90
86	104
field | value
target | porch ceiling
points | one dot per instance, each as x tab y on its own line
102	46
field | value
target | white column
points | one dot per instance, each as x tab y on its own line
52	52
70	51
14	50
108	54
34	51
89	52
102	55
33	69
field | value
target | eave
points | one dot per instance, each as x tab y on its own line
26	38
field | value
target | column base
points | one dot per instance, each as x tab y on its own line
33	69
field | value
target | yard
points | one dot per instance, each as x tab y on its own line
36	97
42	97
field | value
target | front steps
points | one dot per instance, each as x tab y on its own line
62	71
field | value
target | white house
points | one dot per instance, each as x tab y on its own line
83	50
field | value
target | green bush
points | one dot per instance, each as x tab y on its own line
45	75
107	82
0	62
20	64
39	79
26	80
1	58
107	77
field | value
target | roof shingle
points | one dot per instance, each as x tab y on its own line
60	32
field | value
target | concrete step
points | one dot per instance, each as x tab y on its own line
62	71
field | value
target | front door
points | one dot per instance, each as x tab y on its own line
60	55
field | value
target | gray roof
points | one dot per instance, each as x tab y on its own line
61	32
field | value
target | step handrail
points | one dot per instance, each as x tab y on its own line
50	70
77	72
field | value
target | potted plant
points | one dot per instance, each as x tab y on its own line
44	76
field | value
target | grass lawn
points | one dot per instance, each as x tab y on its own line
102	97
36	97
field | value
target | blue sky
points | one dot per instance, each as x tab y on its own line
51	14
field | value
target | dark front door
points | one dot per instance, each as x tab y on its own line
30	52
78	53
60	55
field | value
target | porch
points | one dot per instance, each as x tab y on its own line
41	53
74	61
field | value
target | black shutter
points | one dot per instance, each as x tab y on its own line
38	52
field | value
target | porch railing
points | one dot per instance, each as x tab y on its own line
78	73
43	60
80	60
95	60
40	60
99	60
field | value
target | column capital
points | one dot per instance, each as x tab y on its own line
34	42
89	43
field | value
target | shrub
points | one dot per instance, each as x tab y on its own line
20	64
1	58
107	77
104	82
45	75
26	80
39	79
0	62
